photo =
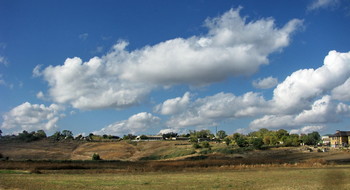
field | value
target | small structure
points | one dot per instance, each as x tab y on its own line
326	140
149	138
203	139
340	139
180	138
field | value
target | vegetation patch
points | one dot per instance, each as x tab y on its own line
13	172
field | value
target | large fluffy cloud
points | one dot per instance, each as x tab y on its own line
308	97
298	91
31	117
210	110
323	111
92	85
134	125
232	47
174	106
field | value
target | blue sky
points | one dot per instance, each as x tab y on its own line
149	67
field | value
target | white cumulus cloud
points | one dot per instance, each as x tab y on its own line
174	106
308	97
265	83
273	122
32	117
322	111
210	110
135	124
341	92
92	85
232	47
298	90
307	129
321	4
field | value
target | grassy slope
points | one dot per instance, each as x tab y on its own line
123	150
131	151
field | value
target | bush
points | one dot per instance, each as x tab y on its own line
205	144
196	146
96	156
241	142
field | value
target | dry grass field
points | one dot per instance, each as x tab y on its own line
171	165
335	177
159	150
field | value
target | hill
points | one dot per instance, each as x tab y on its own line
159	150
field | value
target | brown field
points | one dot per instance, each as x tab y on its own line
335	177
160	150
171	165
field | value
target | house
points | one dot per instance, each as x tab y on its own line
326	140
340	138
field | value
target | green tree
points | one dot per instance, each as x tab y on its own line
227	141
267	140
311	138
56	136
67	134
292	140
40	134
241	141
281	133
235	136
274	140
257	143
129	137
27	137
221	134
201	134
261	133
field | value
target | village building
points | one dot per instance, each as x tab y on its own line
180	138
326	140
149	138
340	139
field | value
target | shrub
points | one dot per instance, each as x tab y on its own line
241	142
96	156
196	146
205	144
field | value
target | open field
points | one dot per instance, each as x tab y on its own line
170	165
335	177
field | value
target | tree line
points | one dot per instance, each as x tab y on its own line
257	139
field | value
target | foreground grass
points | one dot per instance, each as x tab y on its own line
274	178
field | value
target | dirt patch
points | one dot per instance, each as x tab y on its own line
106	150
